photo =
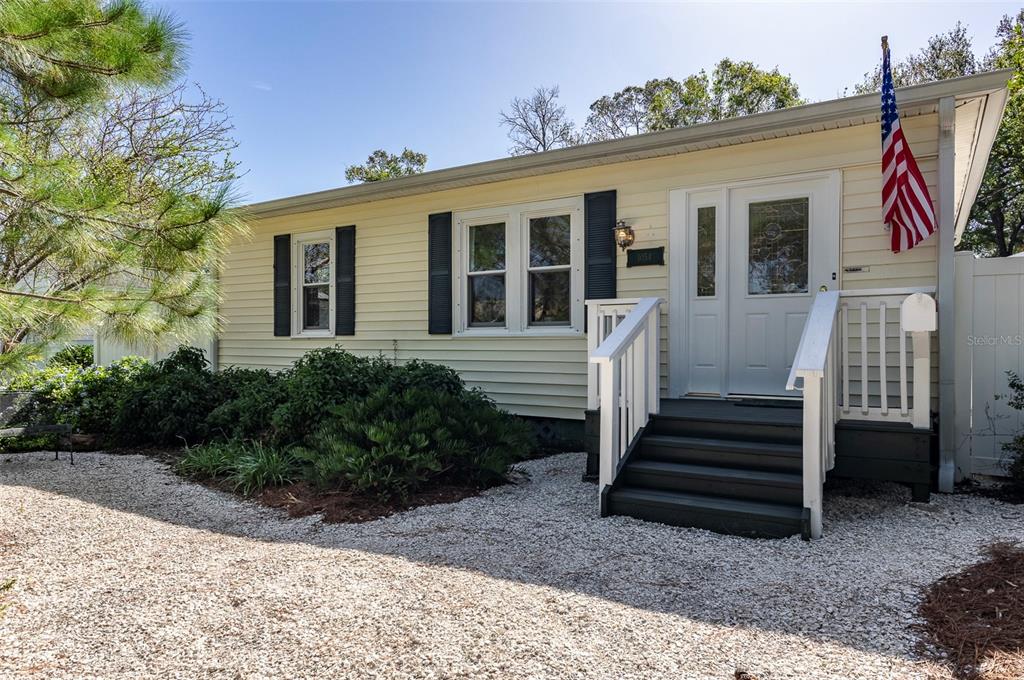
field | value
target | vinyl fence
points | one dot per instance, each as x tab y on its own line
989	342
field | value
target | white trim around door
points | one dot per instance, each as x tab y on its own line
731	323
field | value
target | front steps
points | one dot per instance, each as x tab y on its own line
727	466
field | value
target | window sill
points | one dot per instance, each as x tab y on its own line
312	334
530	333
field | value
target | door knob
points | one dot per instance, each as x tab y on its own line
823	288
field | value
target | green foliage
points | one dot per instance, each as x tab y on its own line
366	424
249	398
947	55
258	467
86	398
734	88
168	402
330	376
44	442
391	444
115	182
248	467
381	165
72	355
1015	467
208	461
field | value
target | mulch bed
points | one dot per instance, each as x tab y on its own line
975	618
301	499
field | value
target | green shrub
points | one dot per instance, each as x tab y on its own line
319	380
73	355
168	402
392	444
249	399
85	398
1015	464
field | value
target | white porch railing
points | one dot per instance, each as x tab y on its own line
813	364
623	373
879	381
826	340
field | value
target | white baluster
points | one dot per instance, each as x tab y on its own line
882	360
864	358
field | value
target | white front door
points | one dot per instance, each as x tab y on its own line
755	255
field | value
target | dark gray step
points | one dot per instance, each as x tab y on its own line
755	485
762	429
723	515
729	453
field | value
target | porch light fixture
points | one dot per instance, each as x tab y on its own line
624	235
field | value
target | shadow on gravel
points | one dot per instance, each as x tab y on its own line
859	586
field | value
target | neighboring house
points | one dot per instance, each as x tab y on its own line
738	225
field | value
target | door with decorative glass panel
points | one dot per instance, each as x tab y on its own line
783	248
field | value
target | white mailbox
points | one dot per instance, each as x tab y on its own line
917	314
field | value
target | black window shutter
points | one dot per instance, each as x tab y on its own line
283	285
599	237
345	281
439	272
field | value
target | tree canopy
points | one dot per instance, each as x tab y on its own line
115	187
381	165
734	88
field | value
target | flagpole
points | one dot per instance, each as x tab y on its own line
885	44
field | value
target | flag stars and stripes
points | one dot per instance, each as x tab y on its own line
906	204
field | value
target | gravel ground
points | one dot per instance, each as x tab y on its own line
125	570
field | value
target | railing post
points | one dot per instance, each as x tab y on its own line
593	340
610	385
653	363
919	416
812	468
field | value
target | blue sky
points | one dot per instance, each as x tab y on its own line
315	86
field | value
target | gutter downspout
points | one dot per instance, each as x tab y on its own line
947	329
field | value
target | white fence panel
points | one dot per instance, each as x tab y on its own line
989	342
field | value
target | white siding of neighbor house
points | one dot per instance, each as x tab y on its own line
546	376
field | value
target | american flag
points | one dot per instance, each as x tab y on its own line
906	205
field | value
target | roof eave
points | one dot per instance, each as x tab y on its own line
647	145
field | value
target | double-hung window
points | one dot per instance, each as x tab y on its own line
313	283
520	269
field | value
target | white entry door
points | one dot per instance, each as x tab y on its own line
783	249
754	256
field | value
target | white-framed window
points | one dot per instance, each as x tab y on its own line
519	269
313	284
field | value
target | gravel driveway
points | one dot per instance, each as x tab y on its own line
124	570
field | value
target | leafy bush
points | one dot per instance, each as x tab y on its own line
392	444
73	355
329	377
1015	466
319	380
85	398
248	467
168	402
249	399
